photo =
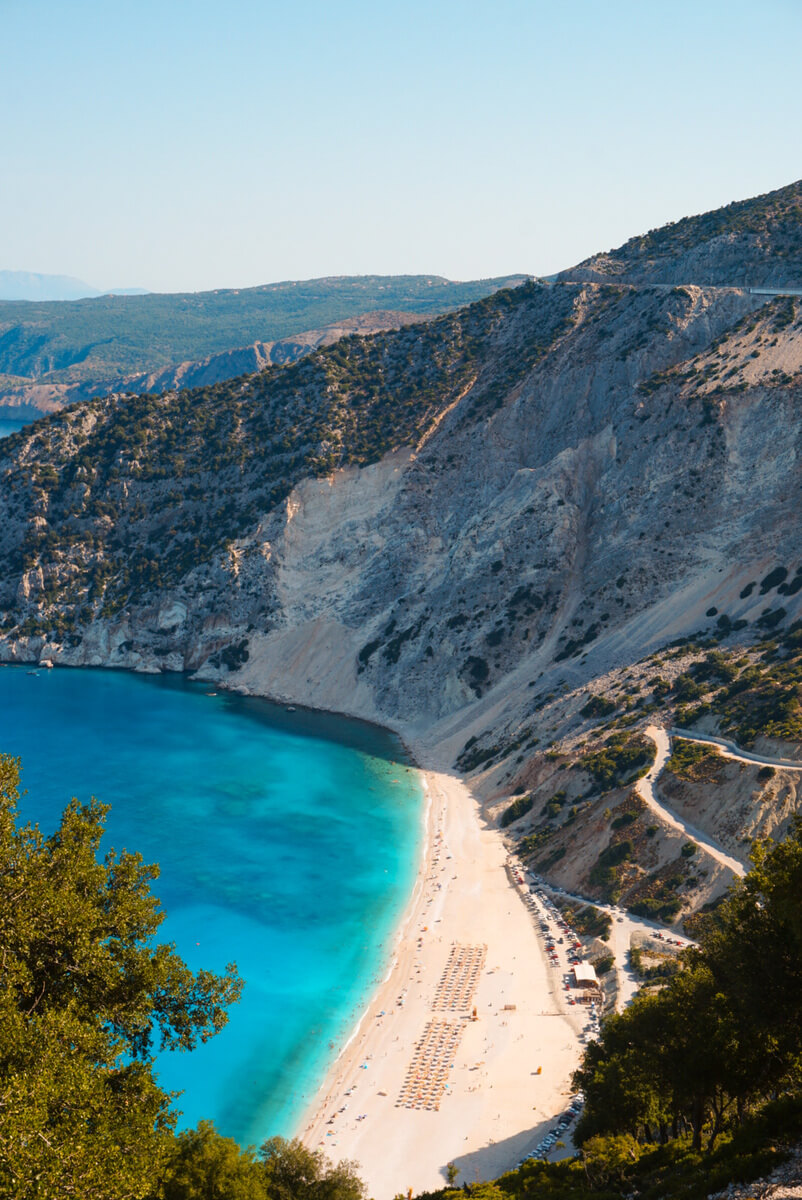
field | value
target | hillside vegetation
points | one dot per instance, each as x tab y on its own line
99	341
755	242
123	496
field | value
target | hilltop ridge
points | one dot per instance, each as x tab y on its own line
56	353
749	243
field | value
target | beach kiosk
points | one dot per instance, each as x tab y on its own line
586	979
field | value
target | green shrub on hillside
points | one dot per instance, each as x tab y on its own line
695	762
622	760
519	808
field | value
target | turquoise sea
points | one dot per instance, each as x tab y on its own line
288	843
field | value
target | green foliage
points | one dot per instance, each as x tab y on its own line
588	920
764	700
231	657
608	1160
534	841
203	1165
604	964
553	807
84	995
708	1047
605	873
657	972
694	762
657	908
293	1172
598	706
519	808
622	760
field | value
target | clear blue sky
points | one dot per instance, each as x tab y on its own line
186	144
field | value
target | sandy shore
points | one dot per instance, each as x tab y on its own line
496	1105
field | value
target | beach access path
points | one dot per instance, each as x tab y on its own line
507	1071
645	789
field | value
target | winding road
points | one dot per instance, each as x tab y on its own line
624	923
645	789
729	749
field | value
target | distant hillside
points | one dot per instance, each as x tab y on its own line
32	400
29	285
750	243
99	344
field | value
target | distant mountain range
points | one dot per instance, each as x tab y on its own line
30	285
55	353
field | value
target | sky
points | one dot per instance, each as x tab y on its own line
181	145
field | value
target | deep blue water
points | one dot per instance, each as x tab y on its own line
287	843
8	427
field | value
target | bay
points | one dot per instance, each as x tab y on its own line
287	841
7	427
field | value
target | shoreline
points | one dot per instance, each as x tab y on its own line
508	1073
509	1068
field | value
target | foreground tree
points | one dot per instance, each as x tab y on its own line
203	1165
293	1172
85	998
725	1034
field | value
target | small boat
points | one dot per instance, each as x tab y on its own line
211	693
290	708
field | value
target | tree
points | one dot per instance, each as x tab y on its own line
84	994
293	1172
206	1166
608	1159
726	1031
753	945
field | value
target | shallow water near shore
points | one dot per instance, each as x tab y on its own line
288	843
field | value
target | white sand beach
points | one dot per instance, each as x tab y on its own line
507	1071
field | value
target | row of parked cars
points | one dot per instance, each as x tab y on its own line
544	1147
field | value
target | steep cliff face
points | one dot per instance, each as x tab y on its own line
751	243
586	488
435	527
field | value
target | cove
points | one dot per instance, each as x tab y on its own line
288	843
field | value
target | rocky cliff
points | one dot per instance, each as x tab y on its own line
455	528
530	517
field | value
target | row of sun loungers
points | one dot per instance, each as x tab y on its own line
459	979
426	1079
427	1075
